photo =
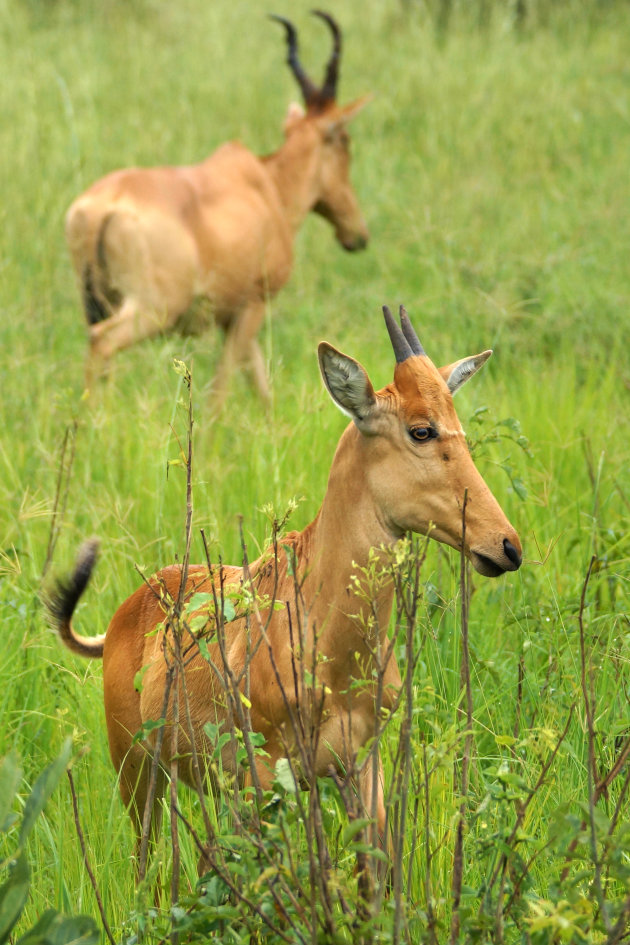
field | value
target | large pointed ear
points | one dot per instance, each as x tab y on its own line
347	383
339	115
295	114
459	372
347	112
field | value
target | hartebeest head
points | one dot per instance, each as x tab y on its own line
333	196
419	471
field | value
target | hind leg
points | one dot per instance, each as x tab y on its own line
129	325
135	777
133	760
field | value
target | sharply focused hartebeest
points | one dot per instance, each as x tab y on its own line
147	242
401	465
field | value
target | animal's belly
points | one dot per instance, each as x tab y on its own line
341	736
198	317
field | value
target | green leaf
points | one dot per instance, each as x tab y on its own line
198	622
40	931
13	896
219	740
202	643
137	679
374	852
507	740
229	610
73	930
283	776
198	600
52	928
10	777
353	828
43	788
147	727
290	555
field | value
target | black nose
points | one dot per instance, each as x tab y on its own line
511	553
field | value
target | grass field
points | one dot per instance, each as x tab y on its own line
492	167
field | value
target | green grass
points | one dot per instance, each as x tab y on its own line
492	166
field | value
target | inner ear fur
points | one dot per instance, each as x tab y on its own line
347	383
457	373
339	115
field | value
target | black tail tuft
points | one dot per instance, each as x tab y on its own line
95	311
66	594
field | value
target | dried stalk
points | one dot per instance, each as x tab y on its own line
86	861
458	854
153	779
62	488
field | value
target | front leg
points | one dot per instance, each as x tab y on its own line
372	798
242	349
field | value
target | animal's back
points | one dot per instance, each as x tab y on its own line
166	235
134	664
244	239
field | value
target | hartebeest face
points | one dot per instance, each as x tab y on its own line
337	201
419	471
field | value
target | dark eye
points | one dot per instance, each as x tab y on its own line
421	434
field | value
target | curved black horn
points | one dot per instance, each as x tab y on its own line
309	90
409	332
401	346
328	91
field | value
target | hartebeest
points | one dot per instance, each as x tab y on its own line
401	465
148	242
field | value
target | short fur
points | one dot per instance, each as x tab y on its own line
147	243
382	484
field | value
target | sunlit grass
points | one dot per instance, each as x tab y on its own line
492	168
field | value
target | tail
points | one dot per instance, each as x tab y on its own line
95	303
64	598
94	309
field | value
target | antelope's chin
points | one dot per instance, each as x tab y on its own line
487	566
354	244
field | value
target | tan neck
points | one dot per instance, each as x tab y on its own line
338	543
294	168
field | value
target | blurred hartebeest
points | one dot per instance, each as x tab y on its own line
147	242
401	465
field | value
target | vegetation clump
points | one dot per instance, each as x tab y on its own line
492	167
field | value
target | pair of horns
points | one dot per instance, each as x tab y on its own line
404	339
314	97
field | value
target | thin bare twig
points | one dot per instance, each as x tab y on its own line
66	461
147	814
86	861
596	785
458	853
